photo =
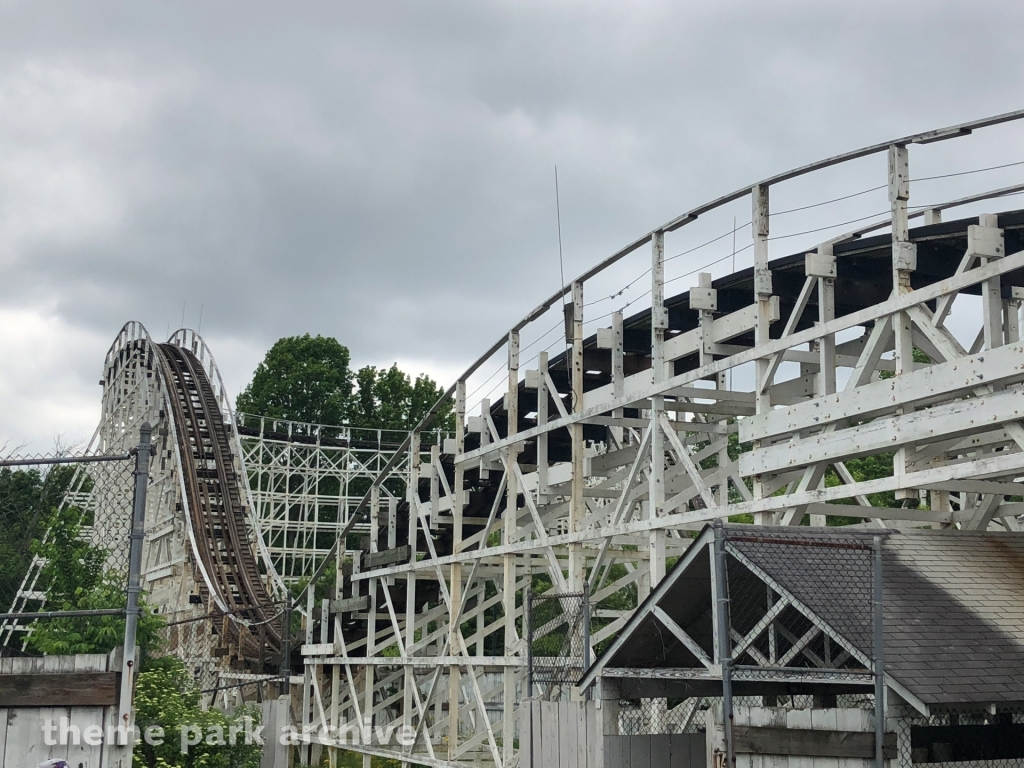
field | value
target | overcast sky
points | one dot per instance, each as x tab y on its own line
382	172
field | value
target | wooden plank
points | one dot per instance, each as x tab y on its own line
698	750
548	734
90	723
807	742
94	662
351	604
640	752
526	734
825	720
582	754
568	743
613	752
595	733
775	718
962	417
750	716
78	689
933	383
797	719
386	557
25	745
850	720
661	749
3	735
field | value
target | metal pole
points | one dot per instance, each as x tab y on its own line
722	607
586	626
286	649
586	630
879	640
132	612
62	460
529	641
63	614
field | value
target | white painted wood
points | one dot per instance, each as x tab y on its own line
931	384
4	715
550	733
572	720
942	421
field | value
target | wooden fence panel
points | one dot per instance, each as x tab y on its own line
681	750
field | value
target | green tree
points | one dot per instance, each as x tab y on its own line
26	496
305	378
166	697
74	578
389	399
301	378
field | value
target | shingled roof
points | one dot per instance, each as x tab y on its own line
953	606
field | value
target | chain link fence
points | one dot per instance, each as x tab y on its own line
810	624
801	608
65	535
558	637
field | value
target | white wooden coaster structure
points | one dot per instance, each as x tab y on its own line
596	465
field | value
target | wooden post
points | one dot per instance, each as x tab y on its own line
618	370
509	570
762	295
659	323
904	262
543	394
412	493
577	508
454	674
369	671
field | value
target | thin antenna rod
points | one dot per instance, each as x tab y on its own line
200	328
558	214
183	313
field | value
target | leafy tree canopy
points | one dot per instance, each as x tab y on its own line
389	399
306	378
301	378
26	498
76	577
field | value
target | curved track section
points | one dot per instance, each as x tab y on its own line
214	490
201	536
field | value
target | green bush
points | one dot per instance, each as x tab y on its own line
166	698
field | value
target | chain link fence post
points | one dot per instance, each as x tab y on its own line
529	642
138	531
284	687
879	641
724	642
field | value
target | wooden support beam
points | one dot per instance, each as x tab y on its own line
71	689
804	742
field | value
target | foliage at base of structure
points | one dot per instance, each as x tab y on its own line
74	578
165	698
349	759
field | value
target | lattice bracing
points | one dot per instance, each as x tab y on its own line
871	378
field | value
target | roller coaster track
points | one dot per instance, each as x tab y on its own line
590	470
215	491
203	557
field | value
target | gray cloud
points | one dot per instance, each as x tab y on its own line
382	172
